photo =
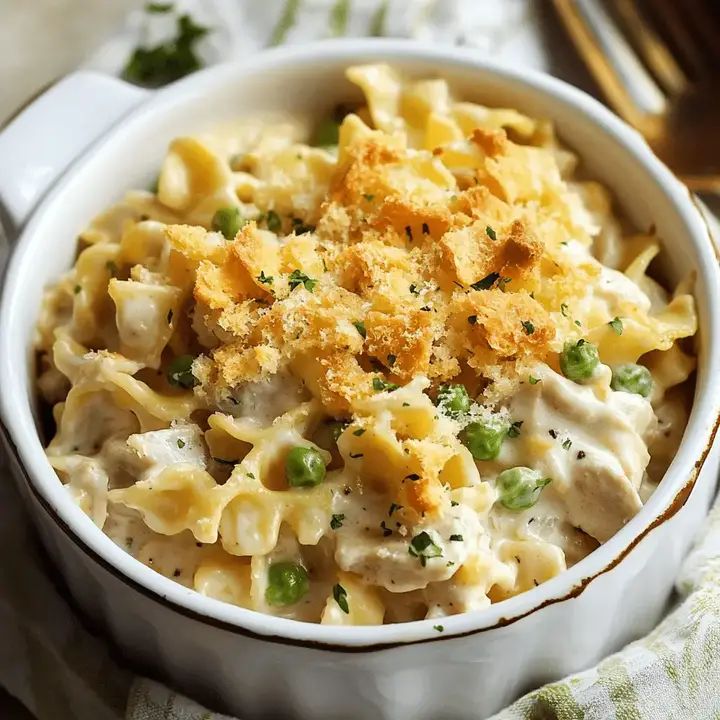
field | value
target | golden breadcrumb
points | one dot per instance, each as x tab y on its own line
406	274
492	325
401	342
491	142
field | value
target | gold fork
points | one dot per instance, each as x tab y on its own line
658	63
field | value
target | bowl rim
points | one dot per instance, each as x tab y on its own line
22	438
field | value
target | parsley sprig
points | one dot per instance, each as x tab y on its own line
168	61
381	385
423	547
340	595
297	278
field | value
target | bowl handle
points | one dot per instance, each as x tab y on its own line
39	144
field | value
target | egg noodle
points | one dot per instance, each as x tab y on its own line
402	370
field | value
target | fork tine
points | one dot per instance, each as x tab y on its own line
654	51
630	88
675	28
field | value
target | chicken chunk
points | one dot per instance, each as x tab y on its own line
157	449
590	441
383	554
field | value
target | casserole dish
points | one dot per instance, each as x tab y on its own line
482	659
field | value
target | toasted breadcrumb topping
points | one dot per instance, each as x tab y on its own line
405	274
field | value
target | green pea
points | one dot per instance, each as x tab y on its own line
288	582
327	133
453	399
484	439
304	467
578	360
520	487
228	221
632	378
179	372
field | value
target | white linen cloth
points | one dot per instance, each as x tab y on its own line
60	671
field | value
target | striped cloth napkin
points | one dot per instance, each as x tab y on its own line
60	671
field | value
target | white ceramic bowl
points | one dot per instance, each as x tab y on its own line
261	666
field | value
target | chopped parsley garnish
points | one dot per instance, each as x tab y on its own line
181	443
77	289
179	372
250	475
369	197
564	310
414	289
528	327
490	233
297	278
454	503
393	508
423	547
168	61
552	433
408	233
412	476
533	380
169	316
439	628
380	385
472	319
514	430
456	538
616	325
359	432
581	454
426	308
487	282
264	279
355	456
336	428
567	444
386	530
273	222
340	595
425	229
391	359
360	327
578	323
336	521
